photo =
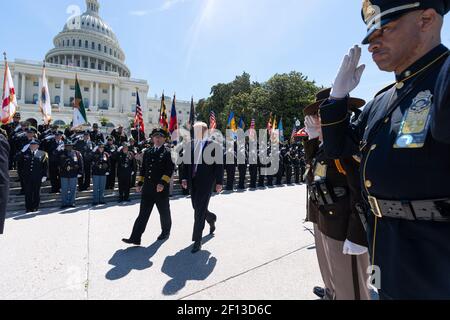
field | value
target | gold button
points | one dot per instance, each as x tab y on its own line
331	213
386	120
407	73
399	85
368	184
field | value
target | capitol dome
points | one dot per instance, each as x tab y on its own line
86	41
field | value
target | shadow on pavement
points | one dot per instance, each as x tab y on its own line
135	258
185	266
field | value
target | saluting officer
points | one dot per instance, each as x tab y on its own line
111	149
96	136
34	164
70	169
154	180
101	166
126	167
404	139
334	193
86	148
54	146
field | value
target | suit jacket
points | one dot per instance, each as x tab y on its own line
4	180
207	175
33	167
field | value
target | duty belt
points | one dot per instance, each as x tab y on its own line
427	210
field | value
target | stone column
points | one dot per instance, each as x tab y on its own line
116	97
110	97
97	96
91	94
61	104
89	62
22	92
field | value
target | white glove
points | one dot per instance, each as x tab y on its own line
353	249
79	176
44	179
313	127
349	74
132	173
107	174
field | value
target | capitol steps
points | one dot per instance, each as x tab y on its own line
50	200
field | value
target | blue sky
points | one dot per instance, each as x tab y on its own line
186	46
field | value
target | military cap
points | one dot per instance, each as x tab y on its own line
378	13
95	126
125	144
87	133
32	130
101	145
323	95
17	115
110	138
34	142
158	132
59	133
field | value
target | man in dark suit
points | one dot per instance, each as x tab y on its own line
4	179
201	177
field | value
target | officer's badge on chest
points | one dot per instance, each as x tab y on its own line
416	122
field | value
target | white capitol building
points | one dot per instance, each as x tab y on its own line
87	46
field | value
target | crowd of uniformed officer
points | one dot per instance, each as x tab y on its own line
76	161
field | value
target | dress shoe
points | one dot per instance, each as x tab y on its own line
212	228
320	292
94	204
129	241
164	237
197	247
102	203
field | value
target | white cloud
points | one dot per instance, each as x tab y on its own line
139	13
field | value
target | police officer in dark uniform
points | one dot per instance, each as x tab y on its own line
34	167
126	168
119	136
242	167
287	159
4	179
10	131
230	160
403	136
154	181
296	163
70	169
96	136
334	193
253	165
22	141
111	148
54	146
86	148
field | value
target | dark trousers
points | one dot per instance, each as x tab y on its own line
124	187
32	191
270	181
148	201
261	179
84	182
111	179
279	176
242	172
297	175
55	180
253	175
288	171
231	174
200	202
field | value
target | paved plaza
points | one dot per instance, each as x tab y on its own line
262	250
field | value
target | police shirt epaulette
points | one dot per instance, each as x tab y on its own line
385	89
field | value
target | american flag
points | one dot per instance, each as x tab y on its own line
212	121
138	118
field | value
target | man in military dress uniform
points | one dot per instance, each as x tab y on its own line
403	136
10	131
34	164
230	160
242	167
154	181
253	166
